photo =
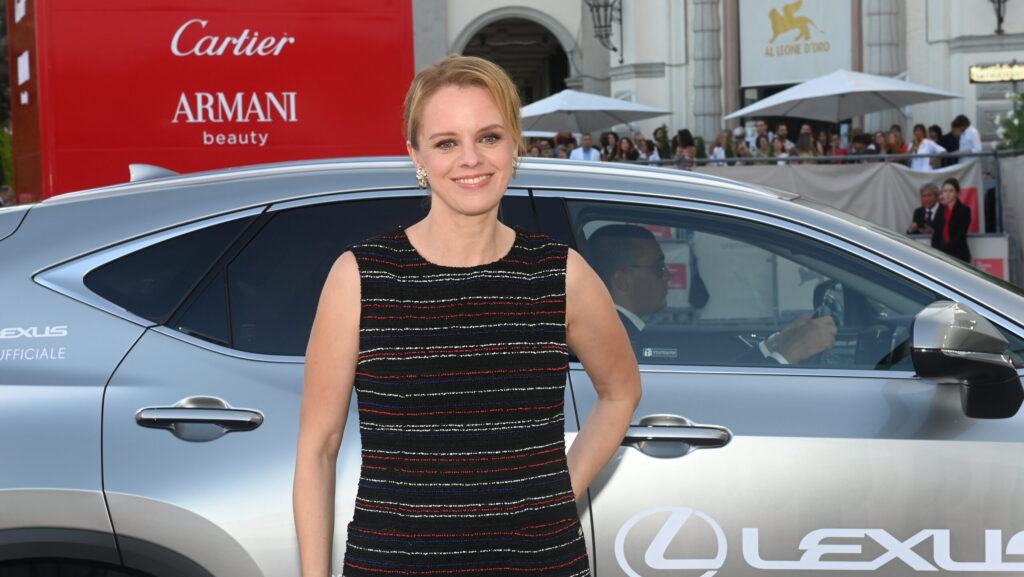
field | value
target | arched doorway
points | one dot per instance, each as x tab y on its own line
531	54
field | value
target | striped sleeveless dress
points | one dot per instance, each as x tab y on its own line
460	385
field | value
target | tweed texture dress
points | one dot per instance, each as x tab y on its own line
460	385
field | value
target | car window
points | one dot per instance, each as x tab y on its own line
703	289
153	281
263	299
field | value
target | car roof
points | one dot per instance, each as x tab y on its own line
543	167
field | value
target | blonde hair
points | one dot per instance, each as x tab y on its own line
463	71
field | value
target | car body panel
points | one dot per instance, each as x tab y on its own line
881	455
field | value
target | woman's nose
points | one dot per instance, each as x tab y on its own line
470	155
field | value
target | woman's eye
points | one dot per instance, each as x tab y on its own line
445	144
490	139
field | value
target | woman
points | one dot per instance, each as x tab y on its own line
951	222
896	145
718	151
836	147
779	150
649	152
881	142
627	152
804	146
685	149
823	146
459	365
763	146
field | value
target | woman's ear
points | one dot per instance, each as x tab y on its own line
412	153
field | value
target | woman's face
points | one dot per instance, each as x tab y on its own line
948	194
879	140
625	145
918	134
612	140
762	143
466	150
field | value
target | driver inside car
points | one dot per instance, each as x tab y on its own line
631	263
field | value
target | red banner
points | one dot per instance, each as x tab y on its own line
208	84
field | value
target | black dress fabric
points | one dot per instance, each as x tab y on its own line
461	385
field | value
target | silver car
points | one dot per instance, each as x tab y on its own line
151	342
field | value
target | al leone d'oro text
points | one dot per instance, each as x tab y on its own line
797	49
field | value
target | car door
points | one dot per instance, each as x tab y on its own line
843	462
201	418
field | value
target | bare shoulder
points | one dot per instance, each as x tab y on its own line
340	297
584	291
344	275
577	271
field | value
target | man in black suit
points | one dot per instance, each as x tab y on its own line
924	215
951	142
631	263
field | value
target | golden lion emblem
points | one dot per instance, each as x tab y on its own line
788	20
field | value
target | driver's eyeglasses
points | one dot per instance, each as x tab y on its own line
659	269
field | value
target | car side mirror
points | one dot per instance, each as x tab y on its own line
953	344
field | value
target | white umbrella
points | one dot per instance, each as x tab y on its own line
572	111
843	94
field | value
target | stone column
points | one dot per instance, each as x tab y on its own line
883	39
430	31
707	71
591	59
731	58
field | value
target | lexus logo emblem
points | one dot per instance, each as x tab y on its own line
655	558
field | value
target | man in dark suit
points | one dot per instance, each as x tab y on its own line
925	214
631	263
951	142
952	221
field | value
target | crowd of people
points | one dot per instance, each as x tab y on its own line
929	147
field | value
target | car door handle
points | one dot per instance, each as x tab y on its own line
199	418
667	436
231	419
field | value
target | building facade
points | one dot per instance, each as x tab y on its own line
703	59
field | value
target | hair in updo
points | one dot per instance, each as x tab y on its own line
463	71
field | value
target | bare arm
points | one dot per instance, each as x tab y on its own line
596	334
327	389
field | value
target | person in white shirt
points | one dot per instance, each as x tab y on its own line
923	146
718	148
970	139
587	151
